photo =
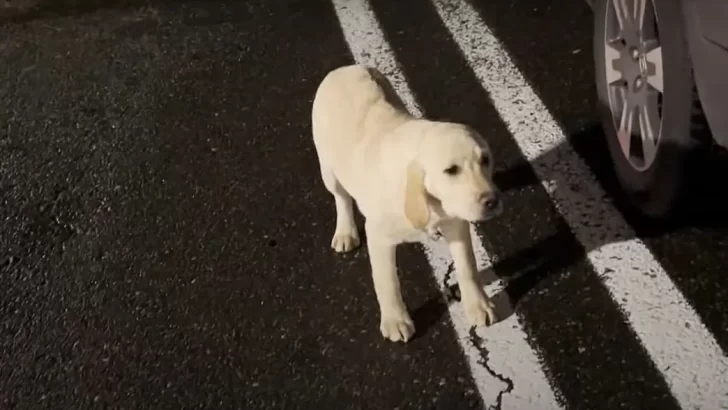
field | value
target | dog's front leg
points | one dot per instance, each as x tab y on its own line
478	307
396	324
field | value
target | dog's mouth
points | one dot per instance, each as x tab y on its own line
477	213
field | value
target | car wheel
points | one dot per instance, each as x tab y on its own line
645	95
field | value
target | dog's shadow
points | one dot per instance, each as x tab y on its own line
507	281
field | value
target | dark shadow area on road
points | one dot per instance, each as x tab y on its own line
425	314
23	11
702	203
523	271
428	315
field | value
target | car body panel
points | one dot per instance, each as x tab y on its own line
713	16
708	43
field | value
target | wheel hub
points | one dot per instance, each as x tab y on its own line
634	52
632	48
633	65
637	85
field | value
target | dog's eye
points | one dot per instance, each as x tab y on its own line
452	170
485	160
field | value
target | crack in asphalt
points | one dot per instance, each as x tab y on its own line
452	294
477	343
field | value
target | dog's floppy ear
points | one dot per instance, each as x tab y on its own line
415	197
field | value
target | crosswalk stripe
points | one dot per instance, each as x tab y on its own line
672	333
513	367
368	46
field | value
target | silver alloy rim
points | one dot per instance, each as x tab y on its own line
633	60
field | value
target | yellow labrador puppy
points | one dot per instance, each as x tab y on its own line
410	177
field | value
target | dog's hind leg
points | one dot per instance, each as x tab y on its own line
346	236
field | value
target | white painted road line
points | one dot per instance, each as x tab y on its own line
368	46
504	345
670	330
510	355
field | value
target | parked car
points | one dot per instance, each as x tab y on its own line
656	61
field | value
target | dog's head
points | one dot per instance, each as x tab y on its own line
453	167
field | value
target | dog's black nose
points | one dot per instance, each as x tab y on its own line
492	203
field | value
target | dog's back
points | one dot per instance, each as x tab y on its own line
351	104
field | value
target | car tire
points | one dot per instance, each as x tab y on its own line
653	189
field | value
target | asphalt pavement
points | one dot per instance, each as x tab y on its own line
164	232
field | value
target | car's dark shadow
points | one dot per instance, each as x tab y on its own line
22	11
702	203
522	272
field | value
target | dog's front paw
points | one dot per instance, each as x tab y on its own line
479	310
345	241
397	326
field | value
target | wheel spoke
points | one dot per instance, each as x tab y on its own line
640	7
625	141
633	69
626	123
654	61
621	9
649	129
648	124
